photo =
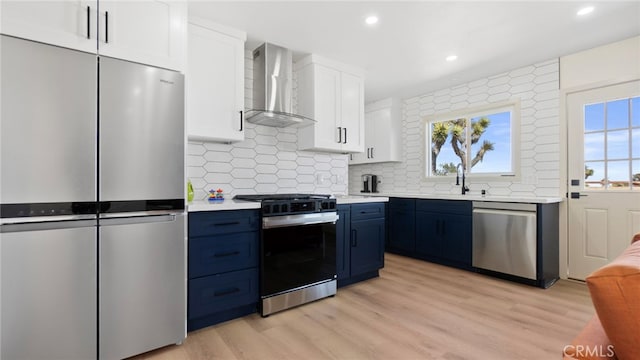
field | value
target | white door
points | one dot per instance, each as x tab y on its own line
148	32
70	24
604	174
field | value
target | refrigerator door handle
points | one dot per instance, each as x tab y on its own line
45	219
120	215
139	219
45	225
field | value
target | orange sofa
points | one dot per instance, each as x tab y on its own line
614	332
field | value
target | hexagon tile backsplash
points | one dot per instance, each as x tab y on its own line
536	86
267	161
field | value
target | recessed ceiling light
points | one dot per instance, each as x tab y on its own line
452	58
585	11
370	20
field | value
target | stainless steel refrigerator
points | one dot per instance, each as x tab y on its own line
92	231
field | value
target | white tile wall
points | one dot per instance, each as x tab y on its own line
537	88
267	161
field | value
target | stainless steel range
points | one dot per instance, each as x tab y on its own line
297	249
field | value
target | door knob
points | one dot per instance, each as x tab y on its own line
577	195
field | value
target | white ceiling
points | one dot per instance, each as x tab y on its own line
404	53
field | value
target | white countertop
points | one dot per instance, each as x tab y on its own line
476	197
357	199
227	204
230	204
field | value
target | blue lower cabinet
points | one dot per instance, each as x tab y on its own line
367	246
343	245
216	293
222	253
223	266
433	230
444	237
360	240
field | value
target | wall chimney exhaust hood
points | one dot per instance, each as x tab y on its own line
272	89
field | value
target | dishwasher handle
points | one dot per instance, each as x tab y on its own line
504	212
491	205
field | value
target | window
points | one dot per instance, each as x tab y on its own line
480	142
612	145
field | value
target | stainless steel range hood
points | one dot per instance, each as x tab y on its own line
272	89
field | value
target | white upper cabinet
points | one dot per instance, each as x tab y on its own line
382	133
333	95
148	32
215	82
71	24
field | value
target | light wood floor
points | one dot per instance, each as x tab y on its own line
415	310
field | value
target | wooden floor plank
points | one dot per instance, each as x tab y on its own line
414	310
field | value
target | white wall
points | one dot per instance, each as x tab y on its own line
267	161
536	86
612	63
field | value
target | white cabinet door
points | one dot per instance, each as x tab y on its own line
369	135
70	24
335	100
352	112
148	32
382	133
215	83
327	109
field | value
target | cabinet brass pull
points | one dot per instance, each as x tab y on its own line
345	136
372	153
241	120
339	135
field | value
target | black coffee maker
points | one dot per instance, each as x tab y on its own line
369	183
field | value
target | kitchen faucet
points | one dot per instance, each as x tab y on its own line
465	189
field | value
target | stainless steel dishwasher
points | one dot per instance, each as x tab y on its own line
504	238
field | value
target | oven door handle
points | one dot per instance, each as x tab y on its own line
271	222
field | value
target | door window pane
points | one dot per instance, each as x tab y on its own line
618	144
635	140
618	114
594	146
618	175
635	111
594	117
594	174
635	171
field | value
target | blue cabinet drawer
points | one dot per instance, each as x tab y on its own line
461	207
402	204
215	293
210	255
367	211
223	222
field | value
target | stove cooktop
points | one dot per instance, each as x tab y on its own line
263	197
287	204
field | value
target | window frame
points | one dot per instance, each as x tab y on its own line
512	105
